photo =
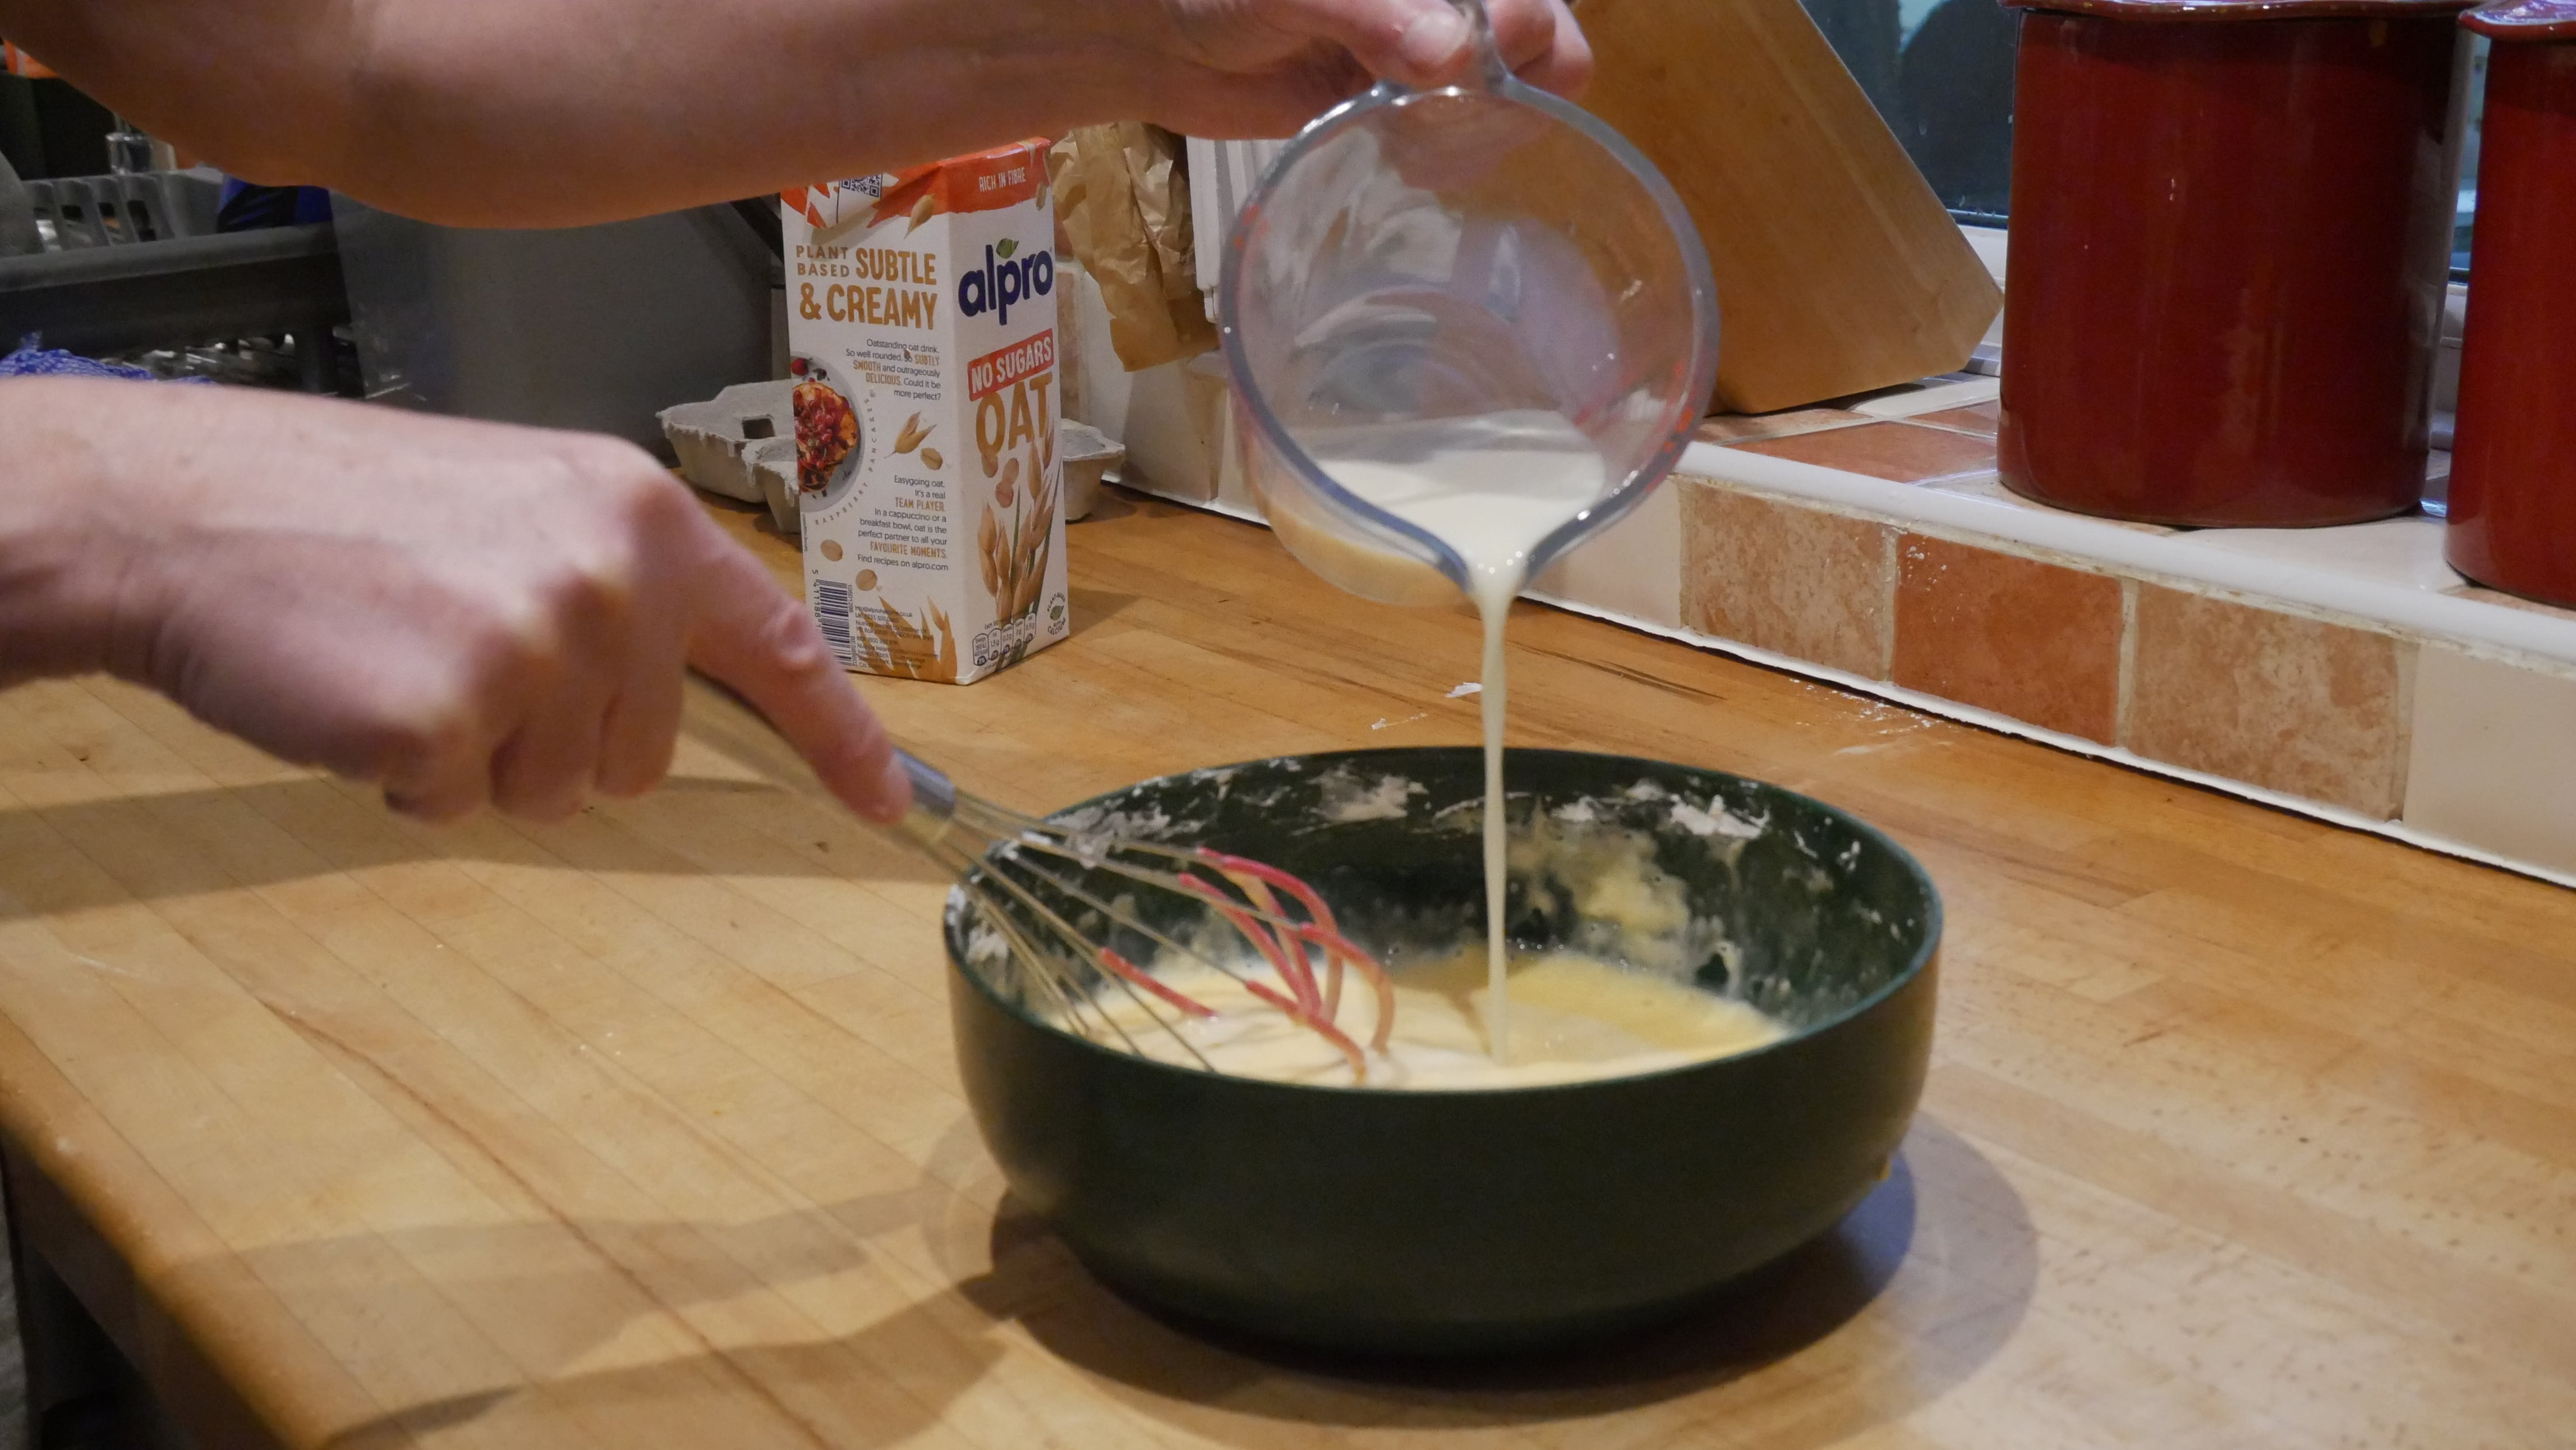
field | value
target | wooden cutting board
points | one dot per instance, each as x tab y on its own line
1838	269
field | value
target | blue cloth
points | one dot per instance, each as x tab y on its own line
33	361
248	206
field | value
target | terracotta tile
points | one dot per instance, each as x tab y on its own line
2034	641
1897	452
2314	709
1978	418
1783	576
1742	427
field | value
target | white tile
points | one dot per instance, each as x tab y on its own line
1992	245
2405	553
1160	415
2493	764
1932	398
1234	491
1633	568
1986	488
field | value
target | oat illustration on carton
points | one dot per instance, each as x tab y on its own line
922	320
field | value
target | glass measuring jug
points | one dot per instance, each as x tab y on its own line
1421	262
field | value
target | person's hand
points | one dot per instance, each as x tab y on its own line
1266	67
463	612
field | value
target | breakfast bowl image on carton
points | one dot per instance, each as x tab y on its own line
1434	1220
922	318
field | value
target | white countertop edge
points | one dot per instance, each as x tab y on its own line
2005	724
2083	540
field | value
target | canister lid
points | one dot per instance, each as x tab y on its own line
2525	20
2264	9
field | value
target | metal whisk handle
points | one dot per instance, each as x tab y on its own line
934	800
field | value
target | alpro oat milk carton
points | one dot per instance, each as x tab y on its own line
922	315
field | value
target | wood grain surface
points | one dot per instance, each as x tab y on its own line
644	1130
1838	269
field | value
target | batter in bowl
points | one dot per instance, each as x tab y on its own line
1625	987
1575	1019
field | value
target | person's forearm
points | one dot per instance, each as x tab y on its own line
65	559
544	112
559	112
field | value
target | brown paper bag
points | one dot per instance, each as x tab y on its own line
1122	197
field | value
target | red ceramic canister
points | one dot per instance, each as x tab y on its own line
2513	464
2230	238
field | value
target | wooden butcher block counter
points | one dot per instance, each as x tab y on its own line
644	1130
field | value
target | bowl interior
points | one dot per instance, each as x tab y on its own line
1791	905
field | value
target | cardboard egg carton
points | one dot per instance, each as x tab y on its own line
741	444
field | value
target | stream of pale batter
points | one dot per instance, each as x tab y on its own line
1494	612
1492	488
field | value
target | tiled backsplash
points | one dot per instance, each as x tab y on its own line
2345	672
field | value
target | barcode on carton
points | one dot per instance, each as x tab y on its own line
832	616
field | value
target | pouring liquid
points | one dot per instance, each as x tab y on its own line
1491	487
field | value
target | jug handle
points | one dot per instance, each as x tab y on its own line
1489	72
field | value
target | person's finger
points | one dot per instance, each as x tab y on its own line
430	728
444	784
1524	30
643	724
546	767
1555	56
749	635
643	720
569	673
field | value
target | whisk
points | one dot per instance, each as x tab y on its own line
1032	879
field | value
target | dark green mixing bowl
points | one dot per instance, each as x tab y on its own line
1470	1221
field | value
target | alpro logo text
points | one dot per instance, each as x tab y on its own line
1005	279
